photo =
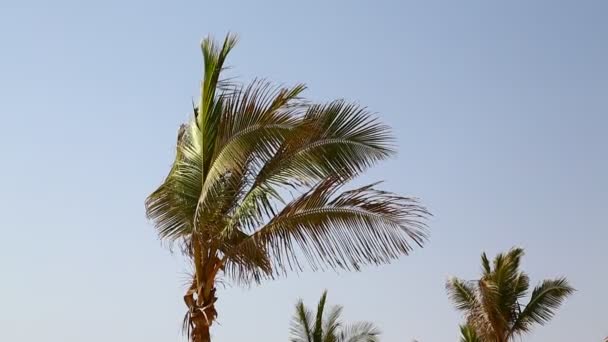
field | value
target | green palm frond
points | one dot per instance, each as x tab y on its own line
318	327
462	294
468	334
485	264
256	121
544	301
173	205
209	109
301	324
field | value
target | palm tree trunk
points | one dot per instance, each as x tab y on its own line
201	333
202	315
200	297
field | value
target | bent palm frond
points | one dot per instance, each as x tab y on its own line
544	301
358	227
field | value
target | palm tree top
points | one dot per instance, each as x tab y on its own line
248	149
308	326
492	304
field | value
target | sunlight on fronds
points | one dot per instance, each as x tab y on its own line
227	199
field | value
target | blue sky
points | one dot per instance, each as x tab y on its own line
500	109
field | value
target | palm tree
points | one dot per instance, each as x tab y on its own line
307	326
492	304
255	190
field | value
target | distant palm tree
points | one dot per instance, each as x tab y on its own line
257	189
307	326
492	304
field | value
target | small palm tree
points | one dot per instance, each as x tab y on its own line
492	304
256	189
307	326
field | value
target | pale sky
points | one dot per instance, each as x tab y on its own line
500	108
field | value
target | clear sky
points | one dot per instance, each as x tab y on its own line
500	108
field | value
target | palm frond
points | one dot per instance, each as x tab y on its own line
485	264
332	324
255	121
318	327
301	324
360	332
468	334
507	284
333	139
462	294
210	106
358	227
173	205
242	266
544	301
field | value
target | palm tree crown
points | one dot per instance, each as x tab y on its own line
227	200
307	326
492	304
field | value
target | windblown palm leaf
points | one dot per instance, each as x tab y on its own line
328	328
227	200
492	304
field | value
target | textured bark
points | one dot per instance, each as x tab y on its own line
201	333
201	298
202	315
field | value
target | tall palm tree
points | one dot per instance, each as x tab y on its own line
492	304
307	326
255	190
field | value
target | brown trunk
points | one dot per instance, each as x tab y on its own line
201	299
202	315
201	333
